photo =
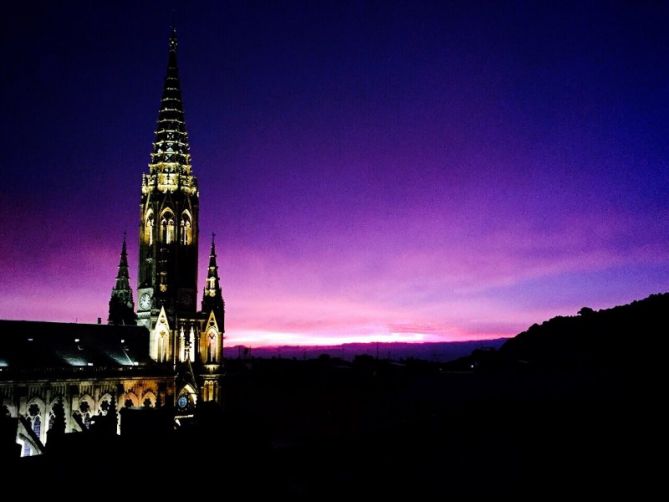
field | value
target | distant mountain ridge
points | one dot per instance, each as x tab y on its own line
622	335
431	351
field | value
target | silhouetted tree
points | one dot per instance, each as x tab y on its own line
112	416
56	432
58	417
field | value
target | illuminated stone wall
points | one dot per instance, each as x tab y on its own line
83	398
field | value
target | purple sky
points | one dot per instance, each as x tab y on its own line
372	170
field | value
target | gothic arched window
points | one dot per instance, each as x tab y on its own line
170	231
191	344
162	347
186	229
148	228
182	345
212	347
37	426
167	227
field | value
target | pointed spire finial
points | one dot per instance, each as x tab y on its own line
174	43
123	263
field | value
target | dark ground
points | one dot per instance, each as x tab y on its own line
330	429
572	408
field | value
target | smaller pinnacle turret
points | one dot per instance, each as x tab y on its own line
121	304
213	298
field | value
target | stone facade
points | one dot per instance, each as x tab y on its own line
83	399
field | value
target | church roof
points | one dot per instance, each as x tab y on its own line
27	346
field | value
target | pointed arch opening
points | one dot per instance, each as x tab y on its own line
186	228
162	347
212	346
149	222
167	228
148	399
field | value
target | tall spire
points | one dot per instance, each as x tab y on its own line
213	298
168	233
171	151
121	305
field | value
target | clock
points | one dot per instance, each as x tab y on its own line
182	402
145	301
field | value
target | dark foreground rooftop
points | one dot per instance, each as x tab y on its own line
29	346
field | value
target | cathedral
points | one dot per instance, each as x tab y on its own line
164	353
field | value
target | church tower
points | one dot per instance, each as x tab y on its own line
179	335
121	306
168	235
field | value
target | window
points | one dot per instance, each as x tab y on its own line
212	348
167	227
191	345
148	228
170	232
37	426
186	230
182	345
162	347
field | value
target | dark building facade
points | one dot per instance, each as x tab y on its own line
167	352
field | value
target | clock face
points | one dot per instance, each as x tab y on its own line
145	301
182	402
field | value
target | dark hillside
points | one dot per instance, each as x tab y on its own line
631	335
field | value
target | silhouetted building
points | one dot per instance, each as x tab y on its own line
168	353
